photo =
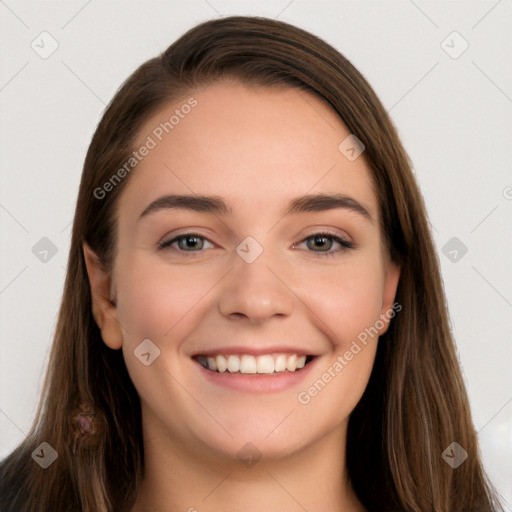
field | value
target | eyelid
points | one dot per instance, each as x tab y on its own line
330	232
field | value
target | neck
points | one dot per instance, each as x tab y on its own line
180	478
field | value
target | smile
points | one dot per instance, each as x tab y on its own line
250	364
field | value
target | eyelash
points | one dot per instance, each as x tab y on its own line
345	244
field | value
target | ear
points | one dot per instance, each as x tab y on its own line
103	308
391	279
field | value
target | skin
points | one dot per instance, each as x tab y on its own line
257	148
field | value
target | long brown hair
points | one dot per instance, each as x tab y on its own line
415	404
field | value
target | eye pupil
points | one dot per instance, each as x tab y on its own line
320	240
189	242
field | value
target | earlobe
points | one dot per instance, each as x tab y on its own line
103	308
387	311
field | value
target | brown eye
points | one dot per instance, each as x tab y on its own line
322	244
189	242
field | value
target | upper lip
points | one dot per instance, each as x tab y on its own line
254	351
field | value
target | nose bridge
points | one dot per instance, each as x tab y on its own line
253	289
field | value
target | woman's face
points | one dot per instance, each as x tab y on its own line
262	275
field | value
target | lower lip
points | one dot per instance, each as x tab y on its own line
257	383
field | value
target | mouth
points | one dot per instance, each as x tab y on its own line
248	364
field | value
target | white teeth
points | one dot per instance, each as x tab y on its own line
280	363
301	361
222	364
233	364
291	363
265	364
249	364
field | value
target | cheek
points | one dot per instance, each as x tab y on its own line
346	299
162	304
332	393
155	299
348	303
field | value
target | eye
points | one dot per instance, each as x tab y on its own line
188	242
322	243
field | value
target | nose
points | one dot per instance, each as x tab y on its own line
256	291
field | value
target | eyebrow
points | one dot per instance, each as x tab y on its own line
216	205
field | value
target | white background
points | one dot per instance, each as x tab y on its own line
454	116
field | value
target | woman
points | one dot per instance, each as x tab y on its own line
253	315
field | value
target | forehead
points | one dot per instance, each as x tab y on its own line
255	146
